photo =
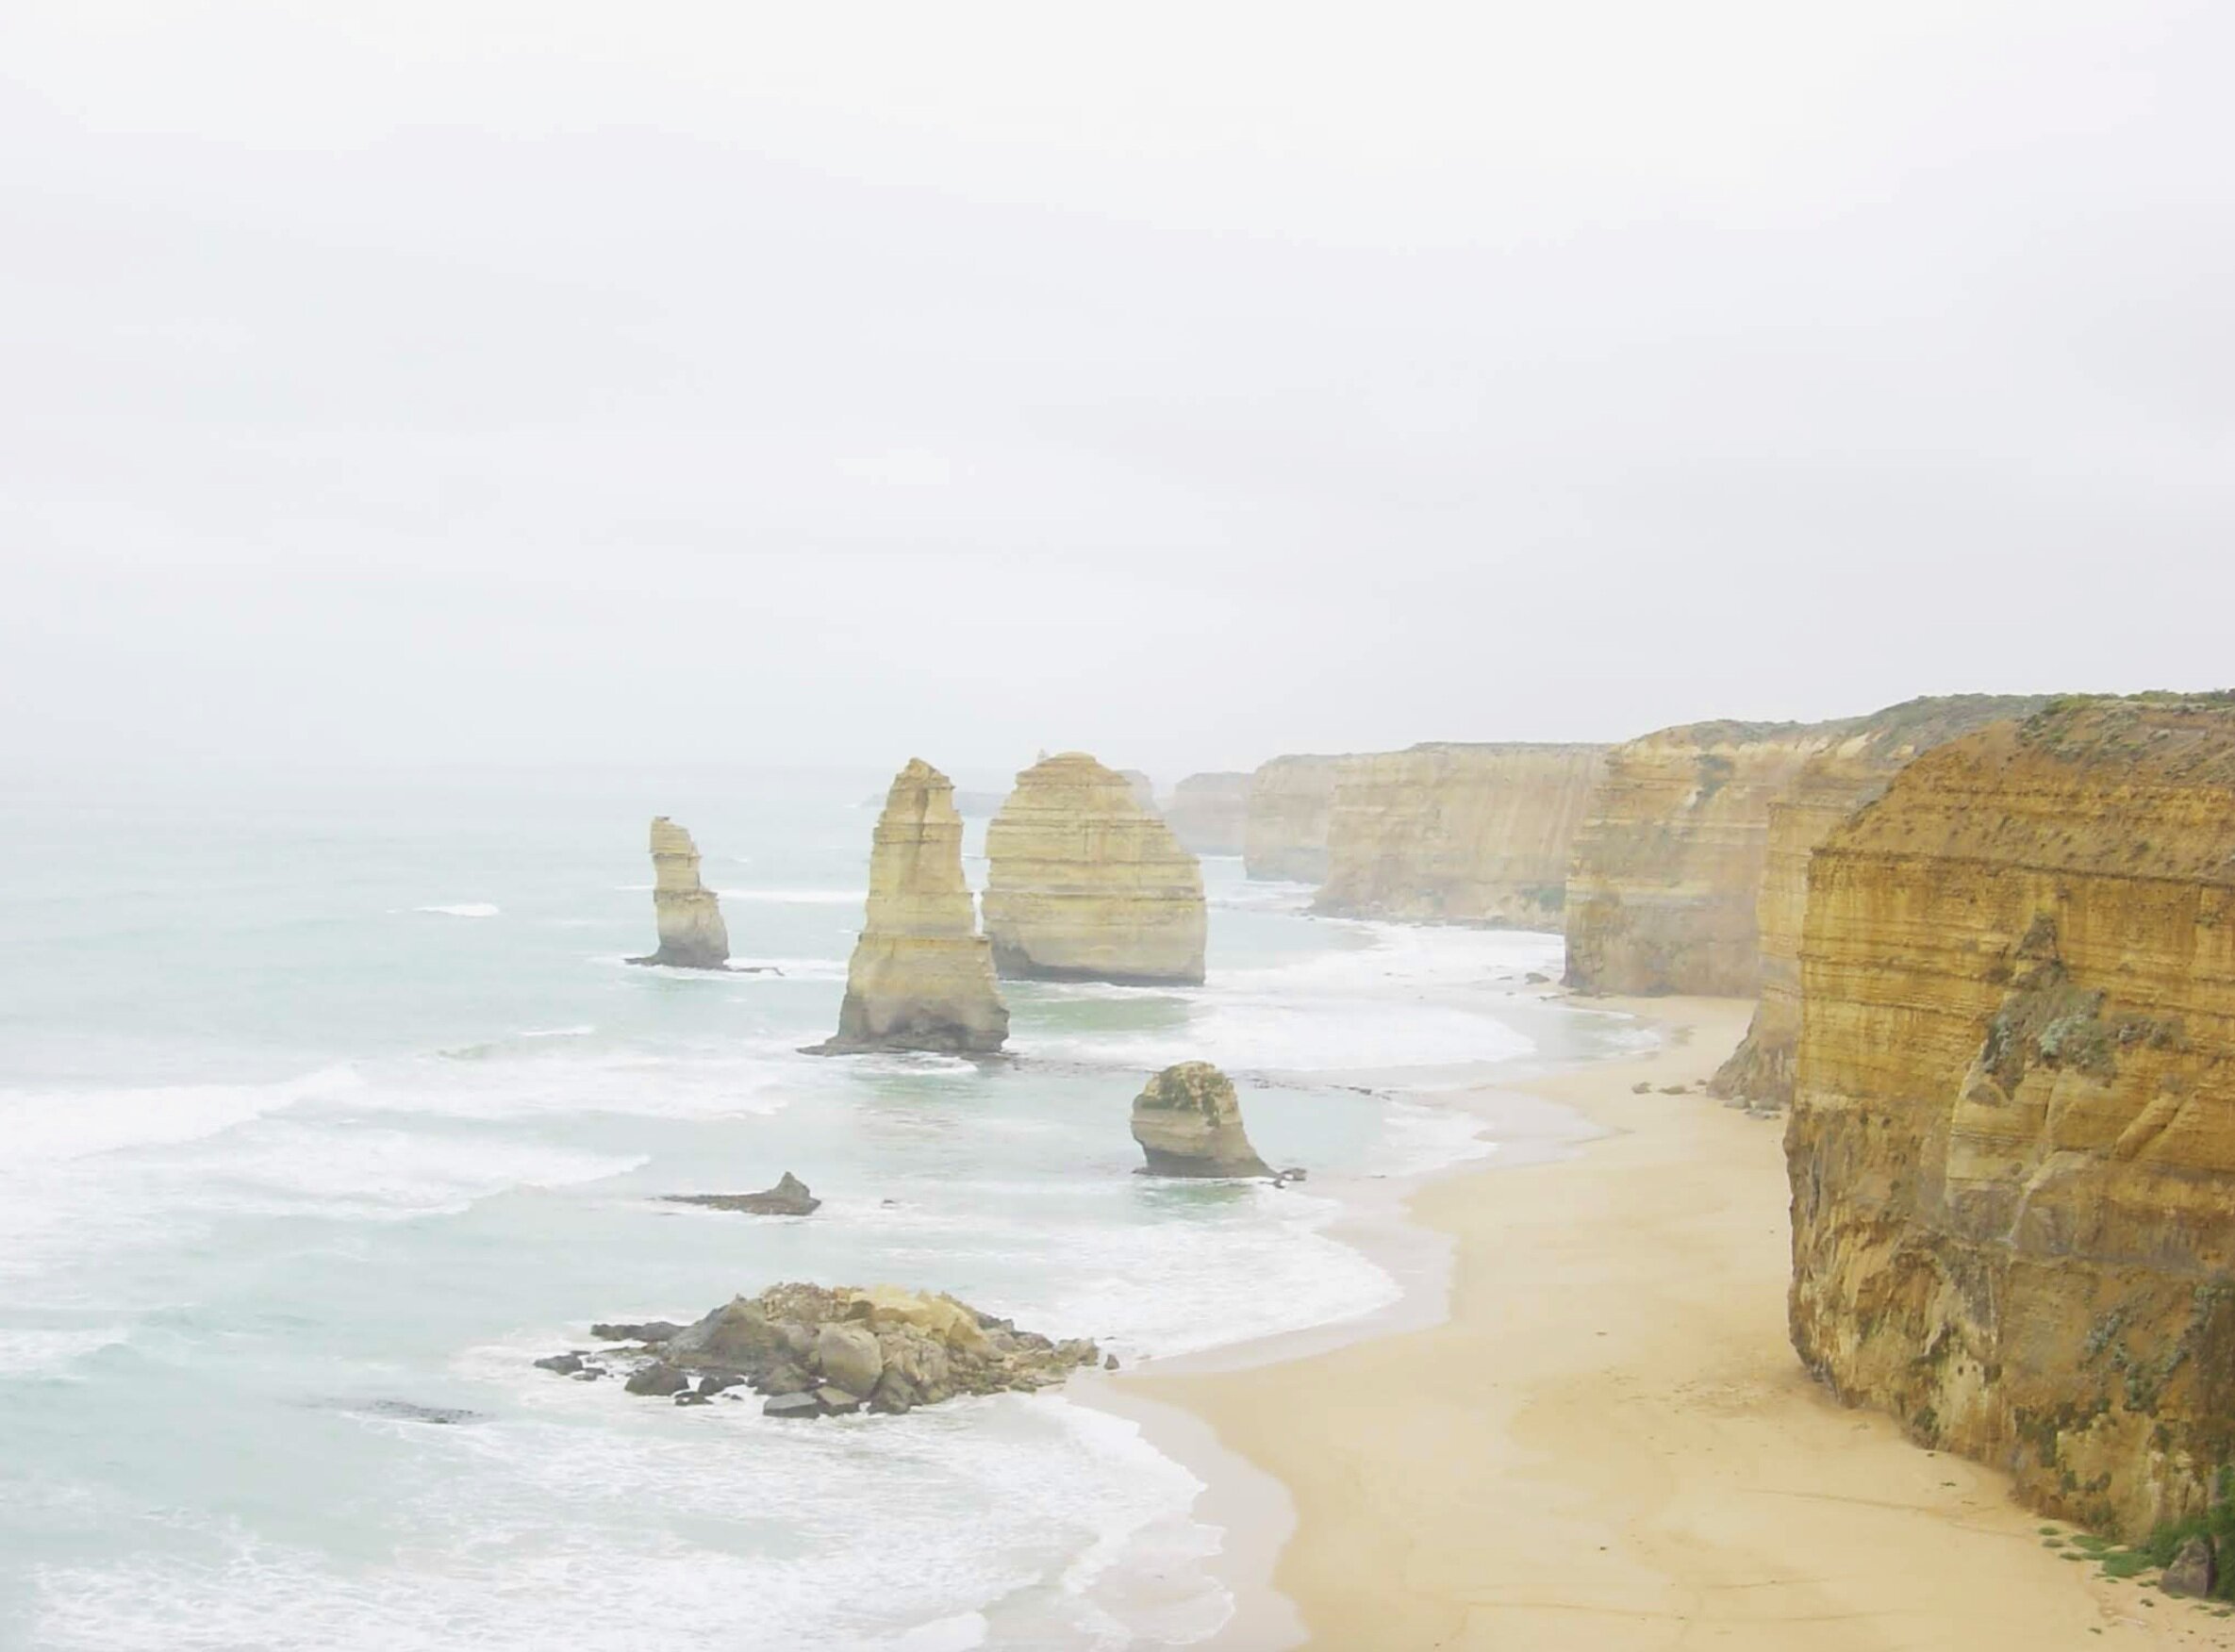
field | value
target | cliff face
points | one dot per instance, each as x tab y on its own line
1460	833
2013	1138
921	976
1210	813
1284	834
1830	787
1085	883
691	932
1667	866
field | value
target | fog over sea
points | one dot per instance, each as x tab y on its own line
327	1105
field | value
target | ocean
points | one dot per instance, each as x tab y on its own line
327	1104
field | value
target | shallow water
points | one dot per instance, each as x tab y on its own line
328	1101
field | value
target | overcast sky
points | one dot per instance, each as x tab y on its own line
750	383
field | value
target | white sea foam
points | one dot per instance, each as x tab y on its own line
464	909
799	896
49	1125
31	1352
582	1032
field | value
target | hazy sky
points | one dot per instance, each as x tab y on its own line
552	381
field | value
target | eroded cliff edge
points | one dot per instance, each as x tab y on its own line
1850	772
2012	1139
1284	832
1457	832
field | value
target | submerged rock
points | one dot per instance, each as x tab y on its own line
922	977
788	1197
1189	1123
691	932
818	1352
652	1331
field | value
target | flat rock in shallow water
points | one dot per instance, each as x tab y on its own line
652	1331
406	1411
788	1197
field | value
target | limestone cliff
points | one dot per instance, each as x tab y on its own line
921	976
1144	789
1085	883
1457	834
1188	1122
1828	789
1210	813
691	932
1284	832
2013	1138
1666	874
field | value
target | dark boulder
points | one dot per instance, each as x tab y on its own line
788	1197
658	1378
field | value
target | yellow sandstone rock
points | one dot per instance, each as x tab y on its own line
1284	834
2012	1139
1457	834
1083	884
1828	789
921	976
691	932
1210	813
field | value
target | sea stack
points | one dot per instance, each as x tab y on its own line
691	933
1085	883
921	976
1210	813
1189	1123
1284	831
2012	1147
1458	834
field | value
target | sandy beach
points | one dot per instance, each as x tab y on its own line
1608	1443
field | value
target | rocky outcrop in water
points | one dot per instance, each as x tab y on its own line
1831	785
1210	813
691	933
1284	834
788	1197
1667	872
2013	1138
1457	834
921	976
1189	1123
1083	884
811	1351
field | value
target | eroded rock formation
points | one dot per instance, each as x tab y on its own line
1284	835
1458	834
817	1352
921	976
1189	1123
2013	1138
1830	787
691	932
788	1197
1144	789
1210	813
1666	874
1083	884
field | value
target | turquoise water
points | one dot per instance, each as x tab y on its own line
322	1101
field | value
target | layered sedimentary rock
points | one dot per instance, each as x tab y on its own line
1188	1122
921	976
1083	884
1210	813
691	932
1667	872
2012	1138
1284	835
1829	788
1458	834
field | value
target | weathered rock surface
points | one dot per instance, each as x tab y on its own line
1189	1123
788	1197
1144	789
2193	1570
691	932
1830	787
1083	884
1284	835
1210	813
921	976
1667	872
2013	1138
1458	834
817	1352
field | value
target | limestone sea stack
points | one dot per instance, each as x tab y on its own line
1829	788
1189	1123
1667	872
1284	832
2012	1139
1210	813
921	976
1144	789
1083	884
691	933
1458	834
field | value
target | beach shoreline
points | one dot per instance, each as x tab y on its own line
1581	1425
